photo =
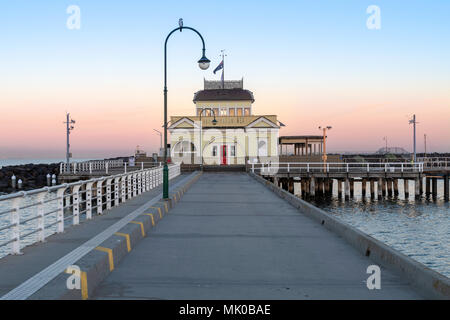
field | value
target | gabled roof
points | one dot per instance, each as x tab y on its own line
224	95
254	121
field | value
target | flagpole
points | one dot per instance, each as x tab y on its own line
223	69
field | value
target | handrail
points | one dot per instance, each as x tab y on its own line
70	202
362	167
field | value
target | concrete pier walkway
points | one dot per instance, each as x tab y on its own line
16	270
231	238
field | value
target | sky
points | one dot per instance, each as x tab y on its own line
312	63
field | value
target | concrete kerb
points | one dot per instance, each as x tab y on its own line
97	264
429	283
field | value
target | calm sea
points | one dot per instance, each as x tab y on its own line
417	228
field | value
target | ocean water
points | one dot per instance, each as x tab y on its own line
417	228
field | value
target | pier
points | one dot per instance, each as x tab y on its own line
381	180
221	235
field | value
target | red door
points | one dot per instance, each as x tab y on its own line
224	154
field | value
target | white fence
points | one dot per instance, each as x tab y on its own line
334	167
30	217
89	166
436	162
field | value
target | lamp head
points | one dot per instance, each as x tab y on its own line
214	122
204	62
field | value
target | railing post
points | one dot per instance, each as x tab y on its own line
90	167
368	169
116	191
15	229
123	188
89	200
40	214
60	212
108	194
125	167
99	197
129	187
253	167
288	168
346	166
106	167
402	166
139	183
385	167
328	167
134	185
76	204
307	167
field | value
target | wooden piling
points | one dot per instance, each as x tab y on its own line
417	188
363	187
389	187
352	185
291	185
395	181
312	190
406	187
434	191
330	188
383	187
427	187
347	189
339	182
446	189
372	189
327	187
380	188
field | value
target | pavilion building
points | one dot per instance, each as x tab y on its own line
224	129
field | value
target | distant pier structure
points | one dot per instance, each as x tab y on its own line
379	179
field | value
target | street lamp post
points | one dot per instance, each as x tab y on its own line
203	64
160	138
69	127
324	156
214	122
414	122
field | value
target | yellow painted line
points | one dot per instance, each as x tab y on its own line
110	256
127	236
151	215
159	210
142	226
84	286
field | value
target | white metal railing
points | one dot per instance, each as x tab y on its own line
89	166
102	166
30	217
272	168
436	162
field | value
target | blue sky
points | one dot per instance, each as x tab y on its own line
310	62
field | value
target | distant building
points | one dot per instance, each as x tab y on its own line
230	132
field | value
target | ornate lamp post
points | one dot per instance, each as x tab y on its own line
203	63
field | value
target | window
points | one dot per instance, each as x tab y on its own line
214	151
233	151
223	112
232	111
198	112
216	111
239	112
247	111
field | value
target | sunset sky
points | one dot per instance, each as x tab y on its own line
309	62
